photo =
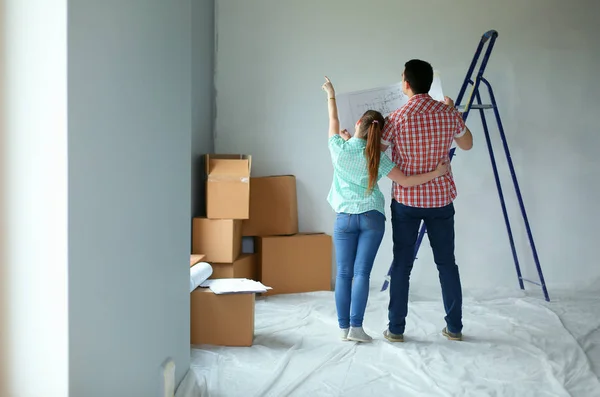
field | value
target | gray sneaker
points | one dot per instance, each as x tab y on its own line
451	335
358	334
344	333
393	337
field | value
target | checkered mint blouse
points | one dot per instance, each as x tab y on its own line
349	189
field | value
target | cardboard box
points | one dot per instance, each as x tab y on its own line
228	186
223	320
220	240
293	264
242	267
194	259
273	207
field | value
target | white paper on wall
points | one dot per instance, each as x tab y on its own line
352	105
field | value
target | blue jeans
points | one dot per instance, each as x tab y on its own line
356	238
440	231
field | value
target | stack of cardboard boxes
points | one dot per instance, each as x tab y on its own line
264	209
288	261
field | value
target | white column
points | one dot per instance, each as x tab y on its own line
33	86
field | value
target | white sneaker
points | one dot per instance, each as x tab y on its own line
344	333
358	334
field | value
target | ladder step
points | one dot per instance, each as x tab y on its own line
484	106
531	281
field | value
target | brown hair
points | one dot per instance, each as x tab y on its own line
371	125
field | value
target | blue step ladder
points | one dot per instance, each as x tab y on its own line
490	38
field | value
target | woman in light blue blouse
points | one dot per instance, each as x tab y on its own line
358	165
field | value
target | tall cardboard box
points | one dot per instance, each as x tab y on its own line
219	240
293	264
243	267
273	207
228	186
223	320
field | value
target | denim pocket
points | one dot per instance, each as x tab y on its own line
374	220
342	222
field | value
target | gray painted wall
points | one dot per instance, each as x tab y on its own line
203	48
129	70
276	111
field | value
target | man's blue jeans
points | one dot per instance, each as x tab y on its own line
356	238
440	231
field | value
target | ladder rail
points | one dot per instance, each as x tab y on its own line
517	189
490	35
482	67
500	192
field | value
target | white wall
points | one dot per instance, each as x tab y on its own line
129	193
4	318
203	49
271	59
34	156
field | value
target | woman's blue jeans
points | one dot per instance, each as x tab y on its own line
357	238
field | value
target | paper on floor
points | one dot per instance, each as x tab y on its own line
234	285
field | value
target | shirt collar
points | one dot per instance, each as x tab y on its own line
419	97
357	142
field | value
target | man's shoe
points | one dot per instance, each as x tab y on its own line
393	337
452	335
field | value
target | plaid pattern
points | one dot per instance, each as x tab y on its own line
349	189
421	134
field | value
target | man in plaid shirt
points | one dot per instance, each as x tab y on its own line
421	133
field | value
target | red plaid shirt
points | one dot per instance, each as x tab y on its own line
421	134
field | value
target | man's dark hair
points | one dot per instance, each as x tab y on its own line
419	75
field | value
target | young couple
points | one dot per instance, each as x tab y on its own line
421	134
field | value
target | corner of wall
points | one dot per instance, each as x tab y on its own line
214	74
203	49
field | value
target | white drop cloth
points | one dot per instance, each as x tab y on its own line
514	346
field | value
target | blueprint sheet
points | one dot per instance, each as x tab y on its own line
352	105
